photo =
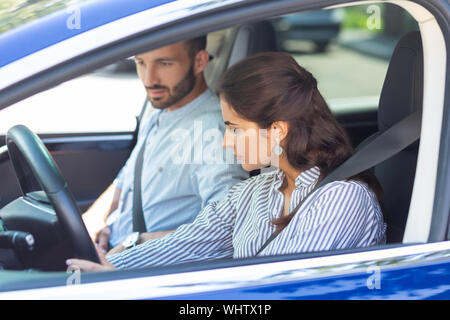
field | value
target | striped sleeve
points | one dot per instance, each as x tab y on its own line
343	215
208	237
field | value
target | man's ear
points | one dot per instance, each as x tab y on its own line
201	61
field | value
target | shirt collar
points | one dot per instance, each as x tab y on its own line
304	179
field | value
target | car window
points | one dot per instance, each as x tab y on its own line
106	100
346	49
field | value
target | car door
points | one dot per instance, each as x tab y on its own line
419	271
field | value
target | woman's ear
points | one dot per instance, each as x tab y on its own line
280	129
201	61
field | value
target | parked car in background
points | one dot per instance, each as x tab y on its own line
319	27
50	82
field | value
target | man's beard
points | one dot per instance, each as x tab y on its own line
180	90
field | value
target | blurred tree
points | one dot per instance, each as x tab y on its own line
394	20
14	13
359	17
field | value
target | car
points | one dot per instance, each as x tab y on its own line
367	95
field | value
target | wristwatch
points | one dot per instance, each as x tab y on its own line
131	240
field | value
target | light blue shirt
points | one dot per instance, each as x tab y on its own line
184	168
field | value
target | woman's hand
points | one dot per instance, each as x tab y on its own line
85	265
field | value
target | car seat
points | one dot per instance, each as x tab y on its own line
401	95
239	43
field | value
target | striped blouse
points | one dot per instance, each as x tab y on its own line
341	214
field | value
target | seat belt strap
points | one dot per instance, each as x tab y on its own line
139	224
383	147
138	214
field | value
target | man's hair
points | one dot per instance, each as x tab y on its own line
195	45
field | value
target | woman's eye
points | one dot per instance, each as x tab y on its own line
234	131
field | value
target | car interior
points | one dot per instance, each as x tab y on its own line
401	95
89	162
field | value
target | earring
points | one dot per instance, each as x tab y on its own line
277	149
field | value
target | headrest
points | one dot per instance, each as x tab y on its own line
251	39
402	91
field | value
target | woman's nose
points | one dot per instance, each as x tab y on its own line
228	140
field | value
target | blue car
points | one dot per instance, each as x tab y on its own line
48	65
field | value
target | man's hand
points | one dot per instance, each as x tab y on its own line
142	238
95	217
102	239
98	230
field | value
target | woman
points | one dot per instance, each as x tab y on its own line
276	116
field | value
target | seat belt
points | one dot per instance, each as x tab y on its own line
138	122
383	147
138	214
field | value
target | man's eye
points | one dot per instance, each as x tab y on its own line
139	62
166	64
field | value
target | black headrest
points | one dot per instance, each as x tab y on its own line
402	91
263	38
251	39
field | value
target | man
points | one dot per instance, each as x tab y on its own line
172	192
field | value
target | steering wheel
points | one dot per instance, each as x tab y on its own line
36	170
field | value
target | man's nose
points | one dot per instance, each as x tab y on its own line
150	78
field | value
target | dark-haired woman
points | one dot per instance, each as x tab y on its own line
275	115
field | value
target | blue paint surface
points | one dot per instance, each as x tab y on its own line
48	30
427	281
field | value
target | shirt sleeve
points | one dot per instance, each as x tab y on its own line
214	181
209	237
345	215
118	181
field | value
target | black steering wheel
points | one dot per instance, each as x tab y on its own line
36	170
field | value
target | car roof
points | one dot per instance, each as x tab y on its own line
53	28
